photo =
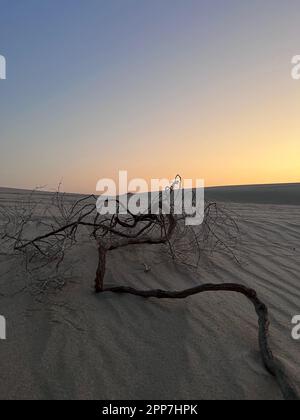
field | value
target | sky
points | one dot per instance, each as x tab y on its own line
202	88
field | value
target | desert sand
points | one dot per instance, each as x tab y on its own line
74	344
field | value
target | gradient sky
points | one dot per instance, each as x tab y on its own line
158	87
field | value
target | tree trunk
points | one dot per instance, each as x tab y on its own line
99	281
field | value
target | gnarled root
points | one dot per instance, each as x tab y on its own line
99	281
271	363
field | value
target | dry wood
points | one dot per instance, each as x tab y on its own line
271	363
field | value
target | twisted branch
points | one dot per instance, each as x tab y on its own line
272	365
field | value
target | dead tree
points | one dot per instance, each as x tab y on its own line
62	223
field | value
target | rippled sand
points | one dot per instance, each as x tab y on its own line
74	344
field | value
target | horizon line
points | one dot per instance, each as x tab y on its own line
40	189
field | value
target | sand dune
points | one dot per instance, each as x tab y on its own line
76	345
285	194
